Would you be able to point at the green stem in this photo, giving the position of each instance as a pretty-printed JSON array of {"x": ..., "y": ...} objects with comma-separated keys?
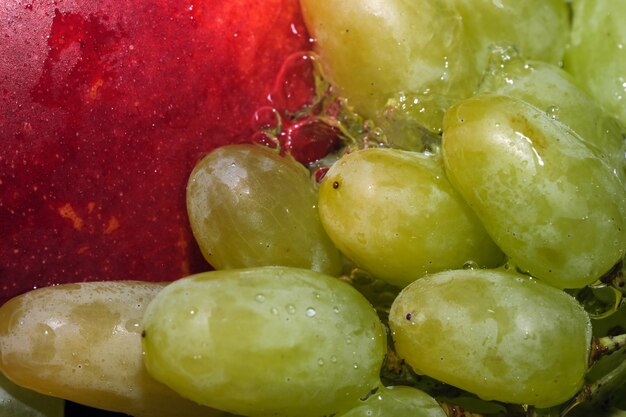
[{"x": 603, "y": 346}]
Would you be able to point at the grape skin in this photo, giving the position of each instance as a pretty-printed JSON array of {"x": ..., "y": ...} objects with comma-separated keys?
[
  {"x": 267, "y": 341},
  {"x": 248, "y": 206},
  {"x": 395, "y": 214},
  {"x": 502, "y": 336},
  {"x": 398, "y": 401},
  {"x": 554, "y": 207},
  {"x": 82, "y": 342}
]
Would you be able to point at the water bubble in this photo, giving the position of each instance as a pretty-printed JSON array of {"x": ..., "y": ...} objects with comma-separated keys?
[
  {"x": 259, "y": 298},
  {"x": 320, "y": 362},
  {"x": 553, "y": 112},
  {"x": 274, "y": 311},
  {"x": 355, "y": 365},
  {"x": 310, "y": 312},
  {"x": 348, "y": 340},
  {"x": 333, "y": 359},
  {"x": 291, "y": 309},
  {"x": 470, "y": 265},
  {"x": 336, "y": 309},
  {"x": 192, "y": 312}
]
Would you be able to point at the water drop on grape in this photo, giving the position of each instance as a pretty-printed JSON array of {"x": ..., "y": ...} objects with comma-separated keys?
[
  {"x": 259, "y": 298},
  {"x": 291, "y": 309},
  {"x": 310, "y": 312}
]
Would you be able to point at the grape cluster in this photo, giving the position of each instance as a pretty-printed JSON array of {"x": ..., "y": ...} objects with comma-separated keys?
[{"x": 461, "y": 255}]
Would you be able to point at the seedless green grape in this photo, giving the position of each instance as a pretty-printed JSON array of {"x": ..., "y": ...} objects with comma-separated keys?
[
  {"x": 553, "y": 206},
  {"x": 373, "y": 49},
  {"x": 268, "y": 341},
  {"x": 82, "y": 342},
  {"x": 549, "y": 88},
  {"x": 395, "y": 214},
  {"x": 397, "y": 401},
  {"x": 437, "y": 50},
  {"x": 597, "y": 55},
  {"x": 502, "y": 336},
  {"x": 248, "y": 206}
]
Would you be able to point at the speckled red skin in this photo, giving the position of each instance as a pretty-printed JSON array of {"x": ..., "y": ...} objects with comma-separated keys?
[{"x": 105, "y": 106}]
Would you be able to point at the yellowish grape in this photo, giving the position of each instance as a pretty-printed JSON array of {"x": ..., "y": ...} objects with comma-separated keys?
[
  {"x": 248, "y": 206},
  {"x": 267, "y": 341},
  {"x": 499, "y": 335},
  {"x": 395, "y": 214},
  {"x": 82, "y": 342},
  {"x": 436, "y": 50},
  {"x": 554, "y": 207}
]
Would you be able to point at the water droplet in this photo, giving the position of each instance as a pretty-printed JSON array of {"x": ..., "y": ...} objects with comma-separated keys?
[
  {"x": 553, "y": 112},
  {"x": 320, "y": 362},
  {"x": 310, "y": 312},
  {"x": 333, "y": 359},
  {"x": 291, "y": 309},
  {"x": 348, "y": 340},
  {"x": 133, "y": 326},
  {"x": 192, "y": 312},
  {"x": 259, "y": 298},
  {"x": 355, "y": 365},
  {"x": 470, "y": 265},
  {"x": 274, "y": 311},
  {"x": 336, "y": 309}
]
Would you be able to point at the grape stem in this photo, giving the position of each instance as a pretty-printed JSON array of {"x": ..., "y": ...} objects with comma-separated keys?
[
  {"x": 603, "y": 346},
  {"x": 602, "y": 389}
]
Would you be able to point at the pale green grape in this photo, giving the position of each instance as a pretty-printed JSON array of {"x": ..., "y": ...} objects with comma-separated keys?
[
  {"x": 395, "y": 214},
  {"x": 555, "y": 208},
  {"x": 267, "y": 341},
  {"x": 596, "y": 55},
  {"x": 373, "y": 49},
  {"x": 16, "y": 401},
  {"x": 82, "y": 342},
  {"x": 436, "y": 50},
  {"x": 397, "y": 401},
  {"x": 538, "y": 29},
  {"x": 499, "y": 335},
  {"x": 248, "y": 207},
  {"x": 551, "y": 89}
]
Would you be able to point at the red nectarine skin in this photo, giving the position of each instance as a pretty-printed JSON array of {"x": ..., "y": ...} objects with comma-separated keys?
[{"x": 105, "y": 106}]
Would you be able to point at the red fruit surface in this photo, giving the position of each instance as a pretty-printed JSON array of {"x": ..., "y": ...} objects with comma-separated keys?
[{"x": 105, "y": 106}]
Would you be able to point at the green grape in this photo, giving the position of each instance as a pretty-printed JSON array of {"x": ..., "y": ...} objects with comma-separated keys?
[
  {"x": 397, "y": 401},
  {"x": 395, "y": 214},
  {"x": 538, "y": 29},
  {"x": 373, "y": 49},
  {"x": 436, "y": 50},
  {"x": 82, "y": 342},
  {"x": 551, "y": 89},
  {"x": 596, "y": 55},
  {"x": 499, "y": 335},
  {"x": 266, "y": 341},
  {"x": 249, "y": 207},
  {"x": 555, "y": 208},
  {"x": 16, "y": 401}
]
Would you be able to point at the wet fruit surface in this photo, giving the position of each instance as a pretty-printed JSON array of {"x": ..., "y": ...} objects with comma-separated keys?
[{"x": 105, "y": 106}]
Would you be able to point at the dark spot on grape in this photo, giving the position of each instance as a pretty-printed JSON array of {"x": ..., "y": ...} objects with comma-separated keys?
[
  {"x": 408, "y": 316},
  {"x": 335, "y": 185},
  {"x": 143, "y": 333}
]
